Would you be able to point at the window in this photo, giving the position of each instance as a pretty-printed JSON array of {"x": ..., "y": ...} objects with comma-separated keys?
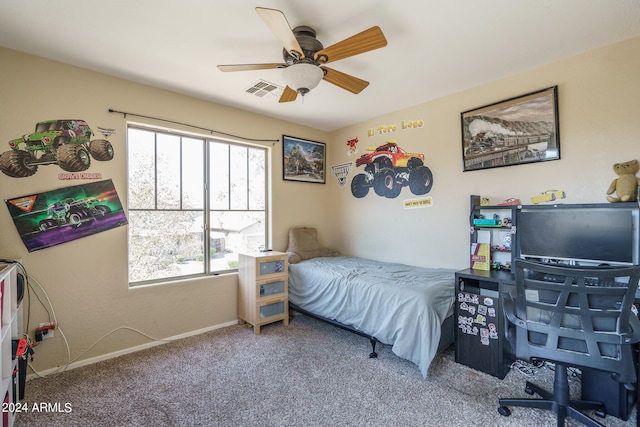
[{"x": 194, "y": 203}]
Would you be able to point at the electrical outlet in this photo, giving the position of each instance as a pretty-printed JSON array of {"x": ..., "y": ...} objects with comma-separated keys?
[{"x": 47, "y": 333}]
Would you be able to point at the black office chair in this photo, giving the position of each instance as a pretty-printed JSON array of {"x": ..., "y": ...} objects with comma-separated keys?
[{"x": 573, "y": 316}]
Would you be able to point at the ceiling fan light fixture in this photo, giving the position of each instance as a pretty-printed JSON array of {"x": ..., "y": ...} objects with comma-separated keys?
[{"x": 302, "y": 77}]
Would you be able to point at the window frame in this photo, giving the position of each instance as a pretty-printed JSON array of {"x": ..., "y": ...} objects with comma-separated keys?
[{"x": 206, "y": 208}]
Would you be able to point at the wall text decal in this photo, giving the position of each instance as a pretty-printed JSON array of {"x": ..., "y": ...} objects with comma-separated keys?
[
  {"x": 423, "y": 202},
  {"x": 405, "y": 124}
]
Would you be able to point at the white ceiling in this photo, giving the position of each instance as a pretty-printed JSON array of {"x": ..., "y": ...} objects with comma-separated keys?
[{"x": 435, "y": 47}]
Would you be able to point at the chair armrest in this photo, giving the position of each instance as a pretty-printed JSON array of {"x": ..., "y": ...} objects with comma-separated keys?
[
  {"x": 510, "y": 310},
  {"x": 633, "y": 336}
]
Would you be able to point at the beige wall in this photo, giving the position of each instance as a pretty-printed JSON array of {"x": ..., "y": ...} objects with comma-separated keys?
[
  {"x": 599, "y": 110},
  {"x": 86, "y": 279},
  {"x": 599, "y": 102}
]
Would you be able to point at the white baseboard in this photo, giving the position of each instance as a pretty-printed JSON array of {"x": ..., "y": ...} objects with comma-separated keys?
[{"x": 118, "y": 353}]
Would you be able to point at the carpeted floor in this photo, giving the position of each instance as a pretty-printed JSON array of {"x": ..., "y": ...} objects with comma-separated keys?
[{"x": 307, "y": 374}]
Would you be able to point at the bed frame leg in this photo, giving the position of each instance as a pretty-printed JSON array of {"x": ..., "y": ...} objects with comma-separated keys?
[{"x": 373, "y": 353}]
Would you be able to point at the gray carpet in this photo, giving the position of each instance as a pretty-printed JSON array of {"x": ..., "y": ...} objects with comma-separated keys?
[{"x": 307, "y": 374}]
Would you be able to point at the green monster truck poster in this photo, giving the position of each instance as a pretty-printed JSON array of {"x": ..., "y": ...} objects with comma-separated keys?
[
  {"x": 59, "y": 216},
  {"x": 66, "y": 143}
]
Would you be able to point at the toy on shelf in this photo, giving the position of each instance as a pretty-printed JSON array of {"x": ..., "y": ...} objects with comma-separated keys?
[
  {"x": 548, "y": 196},
  {"x": 494, "y": 221},
  {"x": 626, "y": 185},
  {"x": 504, "y": 267},
  {"x": 510, "y": 202},
  {"x": 487, "y": 222}
]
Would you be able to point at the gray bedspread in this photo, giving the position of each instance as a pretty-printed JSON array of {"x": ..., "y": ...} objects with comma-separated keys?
[{"x": 399, "y": 305}]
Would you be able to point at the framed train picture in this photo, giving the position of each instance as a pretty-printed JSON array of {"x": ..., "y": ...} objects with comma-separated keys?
[{"x": 515, "y": 131}]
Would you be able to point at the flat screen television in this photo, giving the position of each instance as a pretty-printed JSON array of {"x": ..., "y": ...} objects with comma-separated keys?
[{"x": 579, "y": 235}]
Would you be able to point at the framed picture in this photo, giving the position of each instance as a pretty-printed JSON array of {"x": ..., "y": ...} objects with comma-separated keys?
[
  {"x": 519, "y": 130},
  {"x": 303, "y": 160}
]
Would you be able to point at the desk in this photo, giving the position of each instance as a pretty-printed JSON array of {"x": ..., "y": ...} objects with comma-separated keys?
[
  {"x": 476, "y": 289},
  {"x": 618, "y": 401},
  {"x": 599, "y": 386},
  {"x": 481, "y": 342}
]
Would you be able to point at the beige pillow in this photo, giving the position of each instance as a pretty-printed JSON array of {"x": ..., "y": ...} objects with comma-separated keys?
[{"x": 303, "y": 244}]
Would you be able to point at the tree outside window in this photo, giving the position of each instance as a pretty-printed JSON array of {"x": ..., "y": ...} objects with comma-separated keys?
[{"x": 194, "y": 204}]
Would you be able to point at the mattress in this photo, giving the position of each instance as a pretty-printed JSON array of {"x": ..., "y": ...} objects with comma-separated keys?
[{"x": 400, "y": 305}]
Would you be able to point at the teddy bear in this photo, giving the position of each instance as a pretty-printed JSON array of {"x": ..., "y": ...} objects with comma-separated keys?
[{"x": 626, "y": 184}]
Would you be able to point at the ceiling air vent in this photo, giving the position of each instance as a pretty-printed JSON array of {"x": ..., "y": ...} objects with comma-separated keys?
[{"x": 264, "y": 89}]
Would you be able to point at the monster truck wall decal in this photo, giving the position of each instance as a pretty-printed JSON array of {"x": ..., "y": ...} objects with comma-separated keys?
[
  {"x": 388, "y": 168},
  {"x": 66, "y": 143},
  {"x": 59, "y": 216}
]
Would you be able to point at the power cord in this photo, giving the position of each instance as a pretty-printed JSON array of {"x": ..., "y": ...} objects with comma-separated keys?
[
  {"x": 524, "y": 368},
  {"x": 571, "y": 371},
  {"x": 530, "y": 369},
  {"x": 28, "y": 289},
  {"x": 64, "y": 367},
  {"x": 53, "y": 318}
]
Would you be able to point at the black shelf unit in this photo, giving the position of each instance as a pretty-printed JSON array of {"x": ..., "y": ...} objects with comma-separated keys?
[{"x": 503, "y": 240}]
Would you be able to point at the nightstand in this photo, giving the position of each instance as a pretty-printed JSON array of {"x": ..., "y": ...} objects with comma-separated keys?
[{"x": 263, "y": 288}]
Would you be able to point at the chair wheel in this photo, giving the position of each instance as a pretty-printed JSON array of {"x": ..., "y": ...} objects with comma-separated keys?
[
  {"x": 528, "y": 390},
  {"x": 373, "y": 355},
  {"x": 602, "y": 413},
  {"x": 504, "y": 411}
]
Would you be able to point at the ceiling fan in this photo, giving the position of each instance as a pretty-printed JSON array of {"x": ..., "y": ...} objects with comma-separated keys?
[{"x": 304, "y": 56}]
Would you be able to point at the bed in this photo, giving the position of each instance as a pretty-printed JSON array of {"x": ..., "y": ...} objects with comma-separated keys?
[{"x": 409, "y": 308}]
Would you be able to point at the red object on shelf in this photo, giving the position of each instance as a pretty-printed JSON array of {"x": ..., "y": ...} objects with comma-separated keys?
[
  {"x": 22, "y": 347},
  {"x": 511, "y": 202}
]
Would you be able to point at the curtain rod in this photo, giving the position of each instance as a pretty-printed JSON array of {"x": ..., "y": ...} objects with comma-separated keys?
[{"x": 111, "y": 110}]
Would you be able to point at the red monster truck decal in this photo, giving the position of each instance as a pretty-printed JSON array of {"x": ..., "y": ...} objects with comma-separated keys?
[{"x": 388, "y": 168}]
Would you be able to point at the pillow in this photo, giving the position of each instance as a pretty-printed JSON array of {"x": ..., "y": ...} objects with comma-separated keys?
[{"x": 303, "y": 244}]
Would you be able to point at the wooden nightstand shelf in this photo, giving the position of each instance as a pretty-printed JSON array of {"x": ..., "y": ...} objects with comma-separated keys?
[{"x": 263, "y": 288}]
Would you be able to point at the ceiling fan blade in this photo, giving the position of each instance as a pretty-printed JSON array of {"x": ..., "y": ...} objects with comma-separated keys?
[
  {"x": 277, "y": 23},
  {"x": 288, "y": 95},
  {"x": 344, "y": 81},
  {"x": 360, "y": 43},
  {"x": 249, "y": 67}
]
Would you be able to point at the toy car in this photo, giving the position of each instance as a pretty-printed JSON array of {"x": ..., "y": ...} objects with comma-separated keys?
[
  {"x": 510, "y": 202},
  {"x": 71, "y": 212},
  {"x": 548, "y": 196}
]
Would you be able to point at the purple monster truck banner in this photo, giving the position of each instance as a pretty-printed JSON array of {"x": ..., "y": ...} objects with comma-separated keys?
[{"x": 59, "y": 216}]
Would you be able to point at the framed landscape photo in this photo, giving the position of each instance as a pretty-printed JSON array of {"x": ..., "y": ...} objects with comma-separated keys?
[
  {"x": 515, "y": 131},
  {"x": 303, "y": 160}
]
